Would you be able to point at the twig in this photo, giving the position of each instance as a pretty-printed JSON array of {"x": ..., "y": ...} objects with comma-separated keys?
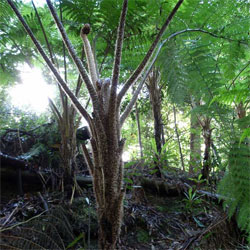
[
  {"x": 9, "y": 217},
  {"x": 73, "y": 193},
  {"x": 45, "y": 204},
  {"x": 232, "y": 83},
  {"x": 198, "y": 236},
  {"x": 211, "y": 226},
  {"x": 21, "y": 223},
  {"x": 118, "y": 52},
  {"x": 44, "y": 34}
]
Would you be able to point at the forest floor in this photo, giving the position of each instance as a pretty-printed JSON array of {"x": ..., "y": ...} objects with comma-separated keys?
[{"x": 174, "y": 219}]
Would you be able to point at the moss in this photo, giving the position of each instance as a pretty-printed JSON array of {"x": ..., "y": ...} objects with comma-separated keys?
[{"x": 142, "y": 236}]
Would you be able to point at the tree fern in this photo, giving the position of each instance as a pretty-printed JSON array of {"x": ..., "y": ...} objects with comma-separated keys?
[{"x": 235, "y": 186}]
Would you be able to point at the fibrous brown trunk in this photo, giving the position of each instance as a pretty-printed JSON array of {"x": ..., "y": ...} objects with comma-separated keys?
[
  {"x": 68, "y": 149},
  {"x": 195, "y": 143},
  {"x": 155, "y": 99},
  {"x": 107, "y": 171}
]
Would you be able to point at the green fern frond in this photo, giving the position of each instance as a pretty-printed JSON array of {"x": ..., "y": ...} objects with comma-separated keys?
[
  {"x": 174, "y": 72},
  {"x": 232, "y": 96},
  {"x": 20, "y": 242},
  {"x": 245, "y": 134},
  {"x": 51, "y": 231},
  {"x": 61, "y": 214},
  {"x": 235, "y": 186},
  {"x": 60, "y": 224}
]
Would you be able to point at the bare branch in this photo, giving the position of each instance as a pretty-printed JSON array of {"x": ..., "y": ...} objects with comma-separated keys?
[
  {"x": 78, "y": 87},
  {"x": 79, "y": 79},
  {"x": 64, "y": 50},
  {"x": 233, "y": 82},
  {"x": 113, "y": 117},
  {"x": 55, "y": 111},
  {"x": 147, "y": 57},
  {"x": 208, "y": 33},
  {"x": 215, "y": 35},
  {"x": 118, "y": 52},
  {"x": 75, "y": 58},
  {"x": 63, "y": 98},
  {"x": 61, "y": 82},
  {"x": 44, "y": 34}
]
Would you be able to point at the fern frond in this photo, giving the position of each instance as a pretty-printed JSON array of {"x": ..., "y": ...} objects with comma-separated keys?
[
  {"x": 235, "y": 186},
  {"x": 232, "y": 96},
  {"x": 2, "y": 246},
  {"x": 51, "y": 231},
  {"x": 20, "y": 242},
  {"x": 60, "y": 224},
  {"x": 245, "y": 134}
]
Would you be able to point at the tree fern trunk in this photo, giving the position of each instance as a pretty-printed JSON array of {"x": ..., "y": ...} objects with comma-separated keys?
[
  {"x": 108, "y": 187},
  {"x": 195, "y": 143},
  {"x": 155, "y": 99},
  {"x": 110, "y": 217},
  {"x": 207, "y": 135}
]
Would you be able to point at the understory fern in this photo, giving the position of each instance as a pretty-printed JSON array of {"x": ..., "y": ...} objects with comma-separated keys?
[
  {"x": 235, "y": 186},
  {"x": 50, "y": 231}
]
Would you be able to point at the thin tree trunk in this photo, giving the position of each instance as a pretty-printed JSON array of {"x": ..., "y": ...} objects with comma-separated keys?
[
  {"x": 155, "y": 99},
  {"x": 205, "y": 123},
  {"x": 195, "y": 143},
  {"x": 241, "y": 111},
  {"x": 207, "y": 135},
  {"x": 162, "y": 135},
  {"x": 178, "y": 139},
  {"x": 139, "y": 129}
]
